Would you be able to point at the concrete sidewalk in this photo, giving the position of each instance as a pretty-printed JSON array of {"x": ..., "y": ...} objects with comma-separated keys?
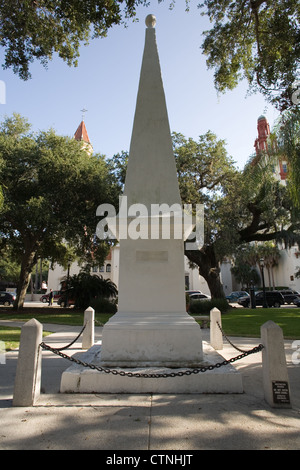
[{"x": 147, "y": 422}]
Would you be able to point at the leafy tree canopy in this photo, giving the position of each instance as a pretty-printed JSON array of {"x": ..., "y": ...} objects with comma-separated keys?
[
  {"x": 257, "y": 40},
  {"x": 36, "y": 29},
  {"x": 287, "y": 134},
  {"x": 51, "y": 191}
]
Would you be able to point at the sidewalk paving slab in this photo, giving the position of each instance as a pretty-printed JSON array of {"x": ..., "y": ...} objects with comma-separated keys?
[{"x": 123, "y": 422}]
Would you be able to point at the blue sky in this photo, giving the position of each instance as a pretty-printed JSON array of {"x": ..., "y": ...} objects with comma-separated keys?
[{"x": 106, "y": 82}]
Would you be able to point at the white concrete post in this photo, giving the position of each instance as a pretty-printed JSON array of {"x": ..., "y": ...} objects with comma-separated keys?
[
  {"x": 216, "y": 337},
  {"x": 29, "y": 367},
  {"x": 275, "y": 375},
  {"x": 88, "y": 335}
]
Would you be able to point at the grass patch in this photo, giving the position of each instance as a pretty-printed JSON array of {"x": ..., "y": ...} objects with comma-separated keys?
[
  {"x": 54, "y": 315},
  {"x": 11, "y": 337},
  {"x": 235, "y": 322},
  {"x": 58, "y": 316},
  {"x": 247, "y": 322}
]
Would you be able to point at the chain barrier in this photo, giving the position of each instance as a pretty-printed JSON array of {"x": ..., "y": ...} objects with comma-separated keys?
[
  {"x": 230, "y": 342},
  {"x": 64, "y": 347},
  {"x": 123, "y": 373}
]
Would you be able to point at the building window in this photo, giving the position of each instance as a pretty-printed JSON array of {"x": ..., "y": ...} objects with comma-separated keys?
[
  {"x": 101, "y": 269},
  {"x": 284, "y": 167},
  {"x": 94, "y": 269},
  {"x": 108, "y": 268}
]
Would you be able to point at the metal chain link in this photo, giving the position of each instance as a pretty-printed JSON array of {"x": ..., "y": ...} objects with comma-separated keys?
[
  {"x": 230, "y": 342},
  {"x": 144, "y": 375},
  {"x": 68, "y": 345}
]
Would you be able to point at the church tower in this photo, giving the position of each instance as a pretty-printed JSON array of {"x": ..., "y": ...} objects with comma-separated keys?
[
  {"x": 263, "y": 128},
  {"x": 262, "y": 143},
  {"x": 81, "y": 135}
]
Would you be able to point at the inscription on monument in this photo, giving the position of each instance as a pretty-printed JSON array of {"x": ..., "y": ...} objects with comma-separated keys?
[
  {"x": 158, "y": 256},
  {"x": 281, "y": 392}
]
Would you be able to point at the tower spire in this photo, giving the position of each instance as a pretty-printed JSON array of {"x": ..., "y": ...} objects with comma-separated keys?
[{"x": 81, "y": 134}]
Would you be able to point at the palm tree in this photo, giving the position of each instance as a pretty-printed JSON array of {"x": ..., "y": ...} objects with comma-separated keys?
[
  {"x": 287, "y": 131},
  {"x": 85, "y": 287},
  {"x": 271, "y": 254}
]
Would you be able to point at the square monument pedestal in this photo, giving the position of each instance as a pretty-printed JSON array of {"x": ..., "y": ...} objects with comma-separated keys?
[
  {"x": 151, "y": 339},
  {"x": 80, "y": 379},
  {"x": 139, "y": 345}
]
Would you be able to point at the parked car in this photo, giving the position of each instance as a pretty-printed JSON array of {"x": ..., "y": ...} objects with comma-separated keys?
[
  {"x": 199, "y": 297},
  {"x": 189, "y": 292},
  {"x": 6, "y": 298},
  {"x": 45, "y": 297},
  {"x": 273, "y": 298},
  {"x": 290, "y": 295},
  {"x": 234, "y": 296},
  {"x": 62, "y": 300},
  {"x": 297, "y": 302}
]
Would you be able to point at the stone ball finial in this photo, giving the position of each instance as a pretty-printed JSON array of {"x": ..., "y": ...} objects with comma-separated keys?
[{"x": 150, "y": 21}]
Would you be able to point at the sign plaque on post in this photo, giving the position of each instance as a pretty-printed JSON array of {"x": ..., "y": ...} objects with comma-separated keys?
[{"x": 281, "y": 392}]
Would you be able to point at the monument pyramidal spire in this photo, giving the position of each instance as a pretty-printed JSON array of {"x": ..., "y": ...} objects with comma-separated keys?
[{"x": 151, "y": 151}]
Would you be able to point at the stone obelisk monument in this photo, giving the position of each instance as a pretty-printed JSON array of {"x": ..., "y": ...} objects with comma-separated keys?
[
  {"x": 151, "y": 326},
  {"x": 151, "y": 332}
]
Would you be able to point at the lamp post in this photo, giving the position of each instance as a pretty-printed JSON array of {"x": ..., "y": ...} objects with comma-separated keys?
[
  {"x": 262, "y": 265},
  {"x": 252, "y": 295},
  {"x": 67, "y": 286}
]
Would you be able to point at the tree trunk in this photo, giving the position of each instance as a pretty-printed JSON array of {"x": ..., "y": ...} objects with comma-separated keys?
[
  {"x": 28, "y": 261},
  {"x": 208, "y": 266}
]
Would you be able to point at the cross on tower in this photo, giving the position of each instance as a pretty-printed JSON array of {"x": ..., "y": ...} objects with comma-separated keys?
[{"x": 83, "y": 112}]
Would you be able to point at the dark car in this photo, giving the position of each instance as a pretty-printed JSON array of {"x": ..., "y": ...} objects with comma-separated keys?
[
  {"x": 290, "y": 295},
  {"x": 297, "y": 302},
  {"x": 234, "y": 296},
  {"x": 273, "y": 298},
  {"x": 45, "y": 297},
  {"x": 6, "y": 298}
]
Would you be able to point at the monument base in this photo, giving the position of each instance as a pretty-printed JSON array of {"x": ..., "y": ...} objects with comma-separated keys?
[
  {"x": 80, "y": 379},
  {"x": 151, "y": 339}
]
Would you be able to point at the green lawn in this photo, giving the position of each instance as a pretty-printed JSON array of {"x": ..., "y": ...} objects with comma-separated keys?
[
  {"x": 236, "y": 322},
  {"x": 11, "y": 335},
  {"x": 247, "y": 322}
]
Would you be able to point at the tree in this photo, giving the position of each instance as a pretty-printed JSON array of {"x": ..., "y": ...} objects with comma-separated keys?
[
  {"x": 245, "y": 274},
  {"x": 256, "y": 40},
  {"x": 51, "y": 190},
  {"x": 240, "y": 206},
  {"x": 204, "y": 171},
  {"x": 85, "y": 287},
  {"x": 287, "y": 135},
  {"x": 244, "y": 206},
  {"x": 36, "y": 29},
  {"x": 9, "y": 267},
  {"x": 270, "y": 253},
  {"x": 247, "y": 259}
]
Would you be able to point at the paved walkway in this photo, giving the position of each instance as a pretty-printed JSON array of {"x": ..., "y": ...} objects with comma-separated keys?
[{"x": 184, "y": 423}]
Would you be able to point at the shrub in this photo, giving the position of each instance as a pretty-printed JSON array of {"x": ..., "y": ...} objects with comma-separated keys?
[
  {"x": 103, "y": 306},
  {"x": 205, "y": 306}
]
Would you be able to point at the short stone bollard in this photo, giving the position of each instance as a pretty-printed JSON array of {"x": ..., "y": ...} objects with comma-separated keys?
[
  {"x": 88, "y": 335},
  {"x": 275, "y": 375},
  {"x": 216, "y": 337},
  {"x": 27, "y": 386}
]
